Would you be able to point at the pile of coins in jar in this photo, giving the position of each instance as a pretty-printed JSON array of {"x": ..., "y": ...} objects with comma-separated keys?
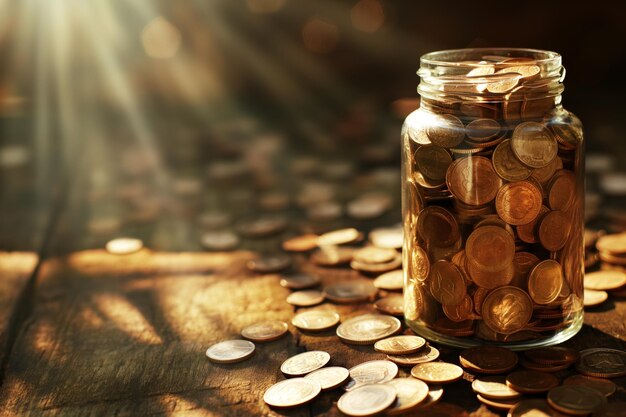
[{"x": 493, "y": 212}]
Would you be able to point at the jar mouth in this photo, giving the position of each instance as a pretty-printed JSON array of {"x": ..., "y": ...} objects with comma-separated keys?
[{"x": 464, "y": 57}]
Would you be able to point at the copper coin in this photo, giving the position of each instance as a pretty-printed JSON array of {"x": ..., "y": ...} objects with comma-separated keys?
[
  {"x": 528, "y": 232},
  {"x": 426, "y": 354},
  {"x": 545, "y": 281},
  {"x": 350, "y": 291},
  {"x": 269, "y": 263},
  {"x": 433, "y": 162},
  {"x": 393, "y": 304},
  {"x": 220, "y": 240},
  {"x": 437, "y": 226},
  {"x": 524, "y": 263},
  {"x": 602, "y": 363},
  {"x": 371, "y": 372},
  {"x": 554, "y": 230},
  {"x": 372, "y": 268},
  {"x": 473, "y": 180},
  {"x": 531, "y": 382},
  {"x": 304, "y": 363},
  {"x": 315, "y": 320},
  {"x": 265, "y": 331},
  {"x": 552, "y": 355},
  {"x": 461, "y": 311},
  {"x": 338, "y": 237},
  {"x": 230, "y": 351},
  {"x": 367, "y": 400},
  {"x": 481, "y": 130},
  {"x": 576, "y": 400},
  {"x": 419, "y": 265},
  {"x": 400, "y": 345},
  {"x": 525, "y": 71},
  {"x": 445, "y": 130},
  {"x": 374, "y": 255},
  {"x": 437, "y": 372},
  {"x": 518, "y": 202},
  {"x": 488, "y": 279},
  {"x": 410, "y": 393},
  {"x": 303, "y": 243},
  {"x": 561, "y": 190},
  {"x": 507, "y": 309},
  {"x": 367, "y": 329},
  {"x": 603, "y": 386},
  {"x": 545, "y": 174},
  {"x": 291, "y": 392},
  {"x": 446, "y": 283},
  {"x": 299, "y": 281},
  {"x": 262, "y": 227},
  {"x": 390, "y": 281},
  {"x": 506, "y": 164},
  {"x": 613, "y": 244},
  {"x": 498, "y": 404},
  {"x": 542, "y": 367},
  {"x": 454, "y": 328},
  {"x": 533, "y": 408},
  {"x": 488, "y": 359},
  {"x": 305, "y": 298},
  {"x": 387, "y": 237},
  {"x": 604, "y": 280},
  {"x": 494, "y": 387},
  {"x": 330, "y": 377},
  {"x": 490, "y": 248},
  {"x": 332, "y": 256},
  {"x": 534, "y": 144},
  {"x": 593, "y": 298}
]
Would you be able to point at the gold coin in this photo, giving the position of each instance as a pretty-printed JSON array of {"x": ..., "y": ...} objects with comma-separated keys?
[
  {"x": 400, "y": 345},
  {"x": 481, "y": 71},
  {"x": 390, "y": 281},
  {"x": 433, "y": 162},
  {"x": 330, "y": 377},
  {"x": 393, "y": 304},
  {"x": 305, "y": 298},
  {"x": 494, "y": 387},
  {"x": 304, "y": 363},
  {"x": 523, "y": 263},
  {"x": 437, "y": 372},
  {"x": 124, "y": 246},
  {"x": 507, "y": 309},
  {"x": 473, "y": 180},
  {"x": 490, "y": 248},
  {"x": 265, "y": 331},
  {"x": 374, "y": 255},
  {"x": 532, "y": 408},
  {"x": 568, "y": 131},
  {"x": 490, "y": 280},
  {"x": 603, "y": 386},
  {"x": 481, "y": 130},
  {"x": 592, "y": 298},
  {"x": 506, "y": 164},
  {"x": 446, "y": 283},
  {"x": 602, "y": 363},
  {"x": 561, "y": 190},
  {"x": 613, "y": 244},
  {"x": 219, "y": 240},
  {"x": 426, "y": 354},
  {"x": 445, "y": 130},
  {"x": 371, "y": 372},
  {"x": 518, "y": 202},
  {"x": 350, "y": 292},
  {"x": 367, "y": 329},
  {"x": 419, "y": 265},
  {"x": 372, "y": 268},
  {"x": 488, "y": 359},
  {"x": 604, "y": 280},
  {"x": 367, "y": 400},
  {"x": 461, "y": 311},
  {"x": 230, "y": 351},
  {"x": 552, "y": 355},
  {"x": 332, "y": 256},
  {"x": 438, "y": 227},
  {"x": 545, "y": 281},
  {"x": 269, "y": 263},
  {"x": 303, "y": 243},
  {"x": 498, "y": 404},
  {"x": 554, "y": 230},
  {"x": 315, "y": 320},
  {"x": 531, "y": 382},
  {"x": 338, "y": 237},
  {"x": 299, "y": 281},
  {"x": 576, "y": 400},
  {"x": 533, "y": 144},
  {"x": 291, "y": 392},
  {"x": 410, "y": 393},
  {"x": 528, "y": 232}
]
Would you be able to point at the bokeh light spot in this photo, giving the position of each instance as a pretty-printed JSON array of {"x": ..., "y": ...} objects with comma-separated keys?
[
  {"x": 319, "y": 35},
  {"x": 367, "y": 15},
  {"x": 160, "y": 39}
]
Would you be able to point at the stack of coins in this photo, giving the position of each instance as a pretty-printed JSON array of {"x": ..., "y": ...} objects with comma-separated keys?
[{"x": 493, "y": 209}]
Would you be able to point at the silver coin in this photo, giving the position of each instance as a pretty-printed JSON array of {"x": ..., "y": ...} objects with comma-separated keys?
[
  {"x": 368, "y": 328},
  {"x": 315, "y": 320},
  {"x": 304, "y": 363},
  {"x": 292, "y": 392},
  {"x": 367, "y": 400},
  {"x": 230, "y": 351},
  {"x": 371, "y": 372},
  {"x": 330, "y": 377}
]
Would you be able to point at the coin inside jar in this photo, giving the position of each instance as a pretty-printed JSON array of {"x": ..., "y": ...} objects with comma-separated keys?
[
  {"x": 367, "y": 400},
  {"x": 400, "y": 345},
  {"x": 315, "y": 320},
  {"x": 291, "y": 392},
  {"x": 419, "y": 265},
  {"x": 488, "y": 359},
  {"x": 473, "y": 180},
  {"x": 545, "y": 281},
  {"x": 533, "y": 144},
  {"x": 230, "y": 351},
  {"x": 330, "y": 377},
  {"x": 304, "y": 363},
  {"x": 437, "y": 372},
  {"x": 265, "y": 331},
  {"x": 561, "y": 190},
  {"x": 507, "y": 309},
  {"x": 490, "y": 248},
  {"x": 481, "y": 130},
  {"x": 368, "y": 328},
  {"x": 518, "y": 202},
  {"x": 390, "y": 281}
]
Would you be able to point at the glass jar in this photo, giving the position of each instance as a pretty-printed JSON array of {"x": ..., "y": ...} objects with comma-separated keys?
[{"x": 492, "y": 201}]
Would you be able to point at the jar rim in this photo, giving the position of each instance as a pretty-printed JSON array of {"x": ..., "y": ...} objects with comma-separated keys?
[{"x": 462, "y": 55}]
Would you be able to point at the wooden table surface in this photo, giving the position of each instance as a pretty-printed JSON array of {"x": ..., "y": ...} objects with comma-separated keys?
[{"x": 87, "y": 333}]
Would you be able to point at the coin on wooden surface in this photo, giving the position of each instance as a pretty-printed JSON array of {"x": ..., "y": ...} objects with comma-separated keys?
[
  {"x": 534, "y": 144},
  {"x": 367, "y": 329},
  {"x": 426, "y": 354},
  {"x": 543, "y": 367},
  {"x": 490, "y": 248},
  {"x": 437, "y": 226},
  {"x": 392, "y": 304},
  {"x": 261, "y": 227},
  {"x": 374, "y": 255},
  {"x": 269, "y": 263},
  {"x": 473, "y": 180},
  {"x": 612, "y": 409},
  {"x": 454, "y": 328},
  {"x": 518, "y": 202},
  {"x": 371, "y": 268},
  {"x": 545, "y": 281},
  {"x": 124, "y": 246},
  {"x": 387, "y": 237},
  {"x": 592, "y": 298},
  {"x": 305, "y": 298},
  {"x": 604, "y": 280},
  {"x": 561, "y": 190},
  {"x": 603, "y": 386},
  {"x": 367, "y": 400},
  {"x": 400, "y": 345},
  {"x": 291, "y": 392},
  {"x": 533, "y": 408},
  {"x": 410, "y": 393},
  {"x": 506, "y": 164},
  {"x": 614, "y": 244},
  {"x": 419, "y": 265},
  {"x": 602, "y": 363},
  {"x": 552, "y": 355},
  {"x": 371, "y": 372},
  {"x": 265, "y": 331},
  {"x": 554, "y": 230},
  {"x": 302, "y": 243},
  {"x": 437, "y": 372},
  {"x": 576, "y": 399},
  {"x": 494, "y": 387},
  {"x": 299, "y": 281},
  {"x": 338, "y": 237},
  {"x": 446, "y": 283},
  {"x": 315, "y": 320},
  {"x": 230, "y": 351},
  {"x": 445, "y": 130},
  {"x": 507, "y": 309},
  {"x": 350, "y": 291},
  {"x": 304, "y": 363},
  {"x": 390, "y": 281},
  {"x": 332, "y": 256},
  {"x": 531, "y": 382},
  {"x": 488, "y": 359},
  {"x": 220, "y": 240},
  {"x": 330, "y": 377}
]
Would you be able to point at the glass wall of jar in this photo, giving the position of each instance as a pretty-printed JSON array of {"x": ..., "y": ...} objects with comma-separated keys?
[{"x": 492, "y": 189}]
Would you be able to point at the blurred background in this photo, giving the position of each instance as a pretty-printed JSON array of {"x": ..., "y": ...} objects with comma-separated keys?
[{"x": 128, "y": 117}]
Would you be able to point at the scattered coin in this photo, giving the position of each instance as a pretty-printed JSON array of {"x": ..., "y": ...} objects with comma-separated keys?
[
  {"x": 446, "y": 130},
  {"x": 390, "y": 281},
  {"x": 552, "y": 355},
  {"x": 338, "y": 237},
  {"x": 220, "y": 240},
  {"x": 262, "y": 227},
  {"x": 603, "y": 386},
  {"x": 554, "y": 230},
  {"x": 593, "y": 298},
  {"x": 374, "y": 255},
  {"x": 315, "y": 320},
  {"x": 330, "y": 377},
  {"x": 367, "y": 329},
  {"x": 124, "y": 246},
  {"x": 613, "y": 244},
  {"x": 371, "y": 268},
  {"x": 484, "y": 183},
  {"x": 292, "y": 392},
  {"x": 447, "y": 284},
  {"x": 400, "y": 345},
  {"x": 604, "y": 280},
  {"x": 332, "y": 256},
  {"x": 367, "y": 400},
  {"x": 532, "y": 408},
  {"x": 393, "y": 304},
  {"x": 410, "y": 393},
  {"x": 426, "y": 354},
  {"x": 531, "y": 382},
  {"x": 576, "y": 399},
  {"x": 602, "y": 363},
  {"x": 614, "y": 409},
  {"x": 304, "y": 363},
  {"x": 230, "y": 351},
  {"x": 437, "y": 372},
  {"x": 494, "y": 387},
  {"x": 350, "y": 292},
  {"x": 498, "y": 404},
  {"x": 371, "y": 372},
  {"x": 561, "y": 190},
  {"x": 269, "y": 263},
  {"x": 303, "y": 243},
  {"x": 265, "y": 331},
  {"x": 488, "y": 359},
  {"x": 387, "y": 237},
  {"x": 533, "y": 144},
  {"x": 299, "y": 281},
  {"x": 506, "y": 164},
  {"x": 305, "y": 298}
]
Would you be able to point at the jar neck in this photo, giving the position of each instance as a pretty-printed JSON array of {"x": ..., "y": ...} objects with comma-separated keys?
[{"x": 490, "y": 75}]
